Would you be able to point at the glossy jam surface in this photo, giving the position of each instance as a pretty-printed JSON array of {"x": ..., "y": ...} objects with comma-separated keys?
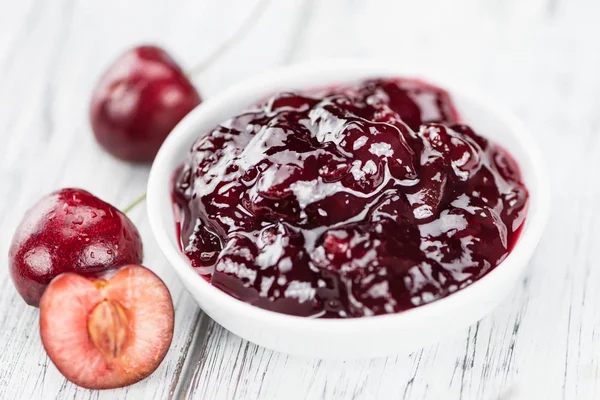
[{"x": 352, "y": 201}]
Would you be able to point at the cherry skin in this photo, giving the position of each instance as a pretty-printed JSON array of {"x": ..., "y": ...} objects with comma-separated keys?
[
  {"x": 70, "y": 230},
  {"x": 138, "y": 101}
]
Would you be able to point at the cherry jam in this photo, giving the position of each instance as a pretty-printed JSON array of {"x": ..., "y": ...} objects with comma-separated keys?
[{"x": 352, "y": 201}]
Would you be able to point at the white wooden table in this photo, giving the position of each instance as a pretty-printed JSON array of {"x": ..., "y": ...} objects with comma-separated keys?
[{"x": 539, "y": 57}]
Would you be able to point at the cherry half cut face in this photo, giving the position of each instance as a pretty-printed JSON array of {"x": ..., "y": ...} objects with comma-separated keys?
[
  {"x": 138, "y": 101},
  {"x": 70, "y": 230},
  {"x": 104, "y": 333},
  {"x": 352, "y": 201}
]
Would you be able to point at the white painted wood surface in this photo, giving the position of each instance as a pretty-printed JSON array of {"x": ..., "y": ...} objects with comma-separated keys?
[{"x": 539, "y": 57}]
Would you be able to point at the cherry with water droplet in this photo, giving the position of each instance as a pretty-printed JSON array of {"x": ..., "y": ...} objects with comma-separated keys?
[{"x": 70, "y": 230}]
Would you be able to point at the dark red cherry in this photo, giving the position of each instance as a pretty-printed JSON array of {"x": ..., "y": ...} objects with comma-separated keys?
[
  {"x": 70, "y": 230},
  {"x": 138, "y": 101}
]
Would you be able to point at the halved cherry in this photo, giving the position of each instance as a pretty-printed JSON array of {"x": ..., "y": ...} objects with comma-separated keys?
[{"x": 104, "y": 334}]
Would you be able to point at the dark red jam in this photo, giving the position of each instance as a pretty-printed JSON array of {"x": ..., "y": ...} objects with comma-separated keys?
[{"x": 353, "y": 201}]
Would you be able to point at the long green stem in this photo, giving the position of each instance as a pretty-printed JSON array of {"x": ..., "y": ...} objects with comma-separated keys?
[{"x": 134, "y": 204}]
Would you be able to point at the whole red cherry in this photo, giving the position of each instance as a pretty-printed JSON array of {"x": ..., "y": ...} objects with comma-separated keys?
[
  {"x": 70, "y": 230},
  {"x": 138, "y": 101}
]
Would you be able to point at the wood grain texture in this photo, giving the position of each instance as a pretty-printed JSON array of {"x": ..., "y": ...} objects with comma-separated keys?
[{"x": 541, "y": 58}]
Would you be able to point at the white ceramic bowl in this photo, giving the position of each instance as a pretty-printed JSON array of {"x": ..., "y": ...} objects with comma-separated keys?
[{"x": 359, "y": 337}]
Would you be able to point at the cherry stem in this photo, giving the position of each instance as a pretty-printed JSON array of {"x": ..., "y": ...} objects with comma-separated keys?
[
  {"x": 244, "y": 28},
  {"x": 134, "y": 204}
]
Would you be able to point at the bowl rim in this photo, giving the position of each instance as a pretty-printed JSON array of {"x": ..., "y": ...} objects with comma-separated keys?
[{"x": 259, "y": 85}]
